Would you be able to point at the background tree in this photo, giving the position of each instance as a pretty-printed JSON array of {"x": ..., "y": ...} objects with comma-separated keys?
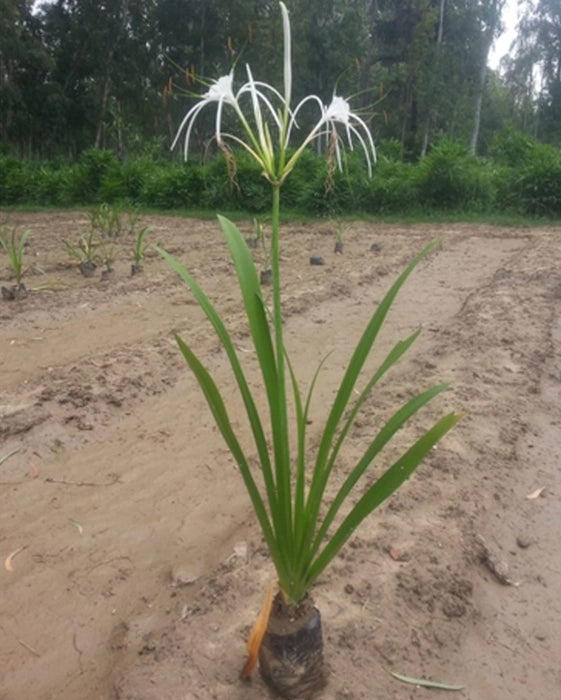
[
  {"x": 490, "y": 16},
  {"x": 120, "y": 74},
  {"x": 535, "y": 72}
]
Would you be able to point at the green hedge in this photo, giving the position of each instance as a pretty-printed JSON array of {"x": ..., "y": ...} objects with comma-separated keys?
[{"x": 519, "y": 176}]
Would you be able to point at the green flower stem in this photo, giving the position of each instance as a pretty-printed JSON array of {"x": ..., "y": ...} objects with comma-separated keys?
[{"x": 280, "y": 430}]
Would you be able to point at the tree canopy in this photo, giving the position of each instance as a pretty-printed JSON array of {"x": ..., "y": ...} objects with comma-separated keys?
[{"x": 119, "y": 74}]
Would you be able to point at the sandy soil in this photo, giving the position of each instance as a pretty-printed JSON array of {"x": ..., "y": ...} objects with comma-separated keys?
[{"x": 139, "y": 567}]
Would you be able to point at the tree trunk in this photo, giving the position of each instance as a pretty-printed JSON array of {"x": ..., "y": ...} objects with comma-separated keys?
[
  {"x": 477, "y": 108},
  {"x": 99, "y": 140},
  {"x": 429, "y": 116},
  {"x": 494, "y": 19}
]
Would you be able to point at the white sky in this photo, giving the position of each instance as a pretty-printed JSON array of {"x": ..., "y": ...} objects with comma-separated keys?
[{"x": 502, "y": 44}]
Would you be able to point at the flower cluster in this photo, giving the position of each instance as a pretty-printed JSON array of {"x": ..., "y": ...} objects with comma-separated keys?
[{"x": 259, "y": 142}]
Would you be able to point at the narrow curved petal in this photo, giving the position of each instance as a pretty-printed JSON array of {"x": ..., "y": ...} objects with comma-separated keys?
[
  {"x": 293, "y": 123},
  {"x": 252, "y": 85},
  {"x": 193, "y": 111},
  {"x": 364, "y": 147},
  {"x": 218, "y": 119},
  {"x": 366, "y": 130}
]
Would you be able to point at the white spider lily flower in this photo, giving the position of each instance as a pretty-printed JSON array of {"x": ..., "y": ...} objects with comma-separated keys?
[
  {"x": 339, "y": 112},
  {"x": 220, "y": 91}
]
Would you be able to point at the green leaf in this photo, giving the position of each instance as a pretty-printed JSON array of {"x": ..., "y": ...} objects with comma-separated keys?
[
  {"x": 260, "y": 333},
  {"x": 251, "y": 410},
  {"x": 322, "y": 467},
  {"x": 301, "y": 422},
  {"x": 380, "y": 490},
  {"x": 394, "y": 424},
  {"x": 220, "y": 414}
]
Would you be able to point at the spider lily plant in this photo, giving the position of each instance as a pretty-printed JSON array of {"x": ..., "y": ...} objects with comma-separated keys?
[
  {"x": 14, "y": 250},
  {"x": 288, "y": 493}
]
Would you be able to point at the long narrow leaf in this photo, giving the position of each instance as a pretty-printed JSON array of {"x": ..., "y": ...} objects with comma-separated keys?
[
  {"x": 220, "y": 414},
  {"x": 226, "y": 341},
  {"x": 260, "y": 332},
  {"x": 21, "y": 245},
  {"x": 348, "y": 383},
  {"x": 380, "y": 490},
  {"x": 424, "y": 683},
  {"x": 300, "y": 449},
  {"x": 301, "y": 422},
  {"x": 396, "y": 422},
  {"x": 357, "y": 361},
  {"x": 316, "y": 496}
]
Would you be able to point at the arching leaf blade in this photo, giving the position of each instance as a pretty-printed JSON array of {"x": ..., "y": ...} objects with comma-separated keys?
[{"x": 380, "y": 490}]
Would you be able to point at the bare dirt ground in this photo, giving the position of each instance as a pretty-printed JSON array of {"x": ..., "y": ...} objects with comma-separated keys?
[{"x": 138, "y": 566}]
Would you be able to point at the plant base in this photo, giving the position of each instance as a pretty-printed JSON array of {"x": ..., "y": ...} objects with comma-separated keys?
[
  {"x": 16, "y": 291},
  {"x": 135, "y": 269},
  {"x": 338, "y": 246},
  {"x": 291, "y": 653},
  {"x": 266, "y": 277},
  {"x": 87, "y": 268}
]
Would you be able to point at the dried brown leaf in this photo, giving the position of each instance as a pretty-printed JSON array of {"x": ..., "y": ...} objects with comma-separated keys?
[
  {"x": 257, "y": 632},
  {"x": 8, "y": 561},
  {"x": 535, "y": 494}
]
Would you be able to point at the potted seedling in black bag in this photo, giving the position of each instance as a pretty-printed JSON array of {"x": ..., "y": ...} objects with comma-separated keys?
[
  {"x": 85, "y": 252},
  {"x": 14, "y": 250},
  {"x": 107, "y": 256}
]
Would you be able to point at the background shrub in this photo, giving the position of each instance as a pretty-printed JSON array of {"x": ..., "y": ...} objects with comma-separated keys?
[
  {"x": 92, "y": 168},
  {"x": 394, "y": 188},
  {"x": 169, "y": 186},
  {"x": 520, "y": 176},
  {"x": 537, "y": 187},
  {"x": 449, "y": 178}
]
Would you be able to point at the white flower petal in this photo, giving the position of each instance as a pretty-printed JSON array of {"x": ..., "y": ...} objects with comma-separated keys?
[
  {"x": 221, "y": 90},
  {"x": 293, "y": 123},
  {"x": 339, "y": 112}
]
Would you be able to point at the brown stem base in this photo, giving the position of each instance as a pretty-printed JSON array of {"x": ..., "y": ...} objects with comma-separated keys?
[{"x": 291, "y": 654}]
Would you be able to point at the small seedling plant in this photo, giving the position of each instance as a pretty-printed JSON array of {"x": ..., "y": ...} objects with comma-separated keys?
[
  {"x": 139, "y": 249},
  {"x": 132, "y": 220},
  {"x": 108, "y": 256},
  {"x": 303, "y": 533},
  {"x": 85, "y": 250},
  {"x": 340, "y": 231},
  {"x": 261, "y": 241},
  {"x": 15, "y": 249},
  {"x": 106, "y": 221}
]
